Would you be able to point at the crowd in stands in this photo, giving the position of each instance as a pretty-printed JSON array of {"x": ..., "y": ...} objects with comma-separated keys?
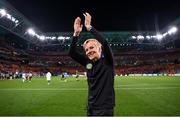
[{"x": 14, "y": 62}]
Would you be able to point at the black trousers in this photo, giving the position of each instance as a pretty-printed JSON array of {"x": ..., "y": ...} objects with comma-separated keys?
[{"x": 100, "y": 112}]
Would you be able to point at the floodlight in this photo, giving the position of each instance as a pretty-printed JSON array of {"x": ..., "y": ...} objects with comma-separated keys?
[
  {"x": 165, "y": 34},
  {"x": 153, "y": 36},
  {"x": 67, "y": 37},
  {"x": 31, "y": 31},
  {"x": 9, "y": 16},
  {"x": 61, "y": 37},
  {"x": 172, "y": 30},
  {"x": 159, "y": 36},
  {"x": 140, "y": 37},
  {"x": 53, "y": 38},
  {"x": 134, "y": 37},
  {"x": 42, "y": 37},
  {"x": 148, "y": 37},
  {"x": 2, "y": 12},
  {"x": 47, "y": 37},
  {"x": 13, "y": 19},
  {"x": 17, "y": 21}
]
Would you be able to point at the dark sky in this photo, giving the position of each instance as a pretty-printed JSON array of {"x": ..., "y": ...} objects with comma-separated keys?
[{"x": 109, "y": 15}]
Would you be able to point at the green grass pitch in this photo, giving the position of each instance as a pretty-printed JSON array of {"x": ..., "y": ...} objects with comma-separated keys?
[{"x": 135, "y": 96}]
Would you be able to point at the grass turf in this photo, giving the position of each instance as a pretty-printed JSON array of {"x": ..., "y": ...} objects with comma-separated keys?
[{"x": 135, "y": 96}]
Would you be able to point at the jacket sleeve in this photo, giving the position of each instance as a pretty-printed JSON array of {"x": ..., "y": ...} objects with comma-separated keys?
[
  {"x": 106, "y": 50},
  {"x": 78, "y": 57}
]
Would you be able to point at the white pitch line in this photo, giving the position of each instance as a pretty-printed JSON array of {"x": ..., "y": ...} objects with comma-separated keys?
[
  {"x": 84, "y": 89},
  {"x": 62, "y": 89},
  {"x": 148, "y": 88},
  {"x": 150, "y": 85}
]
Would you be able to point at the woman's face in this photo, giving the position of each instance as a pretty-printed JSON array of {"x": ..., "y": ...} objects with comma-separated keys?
[{"x": 92, "y": 50}]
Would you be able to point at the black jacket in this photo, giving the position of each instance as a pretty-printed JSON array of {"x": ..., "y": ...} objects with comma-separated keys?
[{"x": 100, "y": 76}]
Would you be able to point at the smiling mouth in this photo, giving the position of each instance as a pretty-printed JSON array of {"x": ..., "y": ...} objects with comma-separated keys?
[{"x": 91, "y": 53}]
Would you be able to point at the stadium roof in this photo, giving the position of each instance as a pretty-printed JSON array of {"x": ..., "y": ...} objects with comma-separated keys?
[
  {"x": 47, "y": 23},
  {"x": 114, "y": 15}
]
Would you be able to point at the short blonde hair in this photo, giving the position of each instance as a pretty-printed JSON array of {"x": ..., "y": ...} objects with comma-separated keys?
[{"x": 98, "y": 44}]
